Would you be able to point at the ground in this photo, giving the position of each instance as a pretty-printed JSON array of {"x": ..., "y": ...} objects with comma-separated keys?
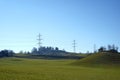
[{"x": 41, "y": 69}]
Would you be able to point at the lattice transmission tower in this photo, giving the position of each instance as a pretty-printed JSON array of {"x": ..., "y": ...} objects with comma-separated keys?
[
  {"x": 39, "y": 41},
  {"x": 74, "y": 46}
]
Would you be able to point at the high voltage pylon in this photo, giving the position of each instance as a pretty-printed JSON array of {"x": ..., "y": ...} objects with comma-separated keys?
[
  {"x": 74, "y": 46},
  {"x": 39, "y": 40},
  {"x": 94, "y": 48}
]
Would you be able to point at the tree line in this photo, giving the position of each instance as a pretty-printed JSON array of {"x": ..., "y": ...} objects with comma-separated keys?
[
  {"x": 109, "y": 48},
  {"x": 51, "y": 51},
  {"x": 6, "y": 53},
  {"x": 47, "y": 51}
]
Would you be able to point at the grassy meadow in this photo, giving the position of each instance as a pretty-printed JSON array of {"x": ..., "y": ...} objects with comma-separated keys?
[{"x": 41, "y": 69}]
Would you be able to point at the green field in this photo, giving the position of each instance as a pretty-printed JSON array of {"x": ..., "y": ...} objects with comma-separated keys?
[
  {"x": 41, "y": 69},
  {"x": 108, "y": 60}
]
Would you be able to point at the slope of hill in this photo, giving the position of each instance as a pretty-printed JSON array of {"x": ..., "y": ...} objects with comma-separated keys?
[
  {"x": 12, "y": 68},
  {"x": 100, "y": 59}
]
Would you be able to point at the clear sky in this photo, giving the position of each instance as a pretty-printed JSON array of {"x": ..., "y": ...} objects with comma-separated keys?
[{"x": 59, "y": 22}]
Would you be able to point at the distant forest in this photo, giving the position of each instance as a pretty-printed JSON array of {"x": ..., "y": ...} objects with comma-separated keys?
[
  {"x": 51, "y": 51},
  {"x": 48, "y": 51},
  {"x": 6, "y": 53}
]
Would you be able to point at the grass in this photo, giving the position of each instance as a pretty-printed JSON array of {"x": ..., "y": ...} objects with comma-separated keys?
[
  {"x": 100, "y": 60},
  {"x": 41, "y": 69}
]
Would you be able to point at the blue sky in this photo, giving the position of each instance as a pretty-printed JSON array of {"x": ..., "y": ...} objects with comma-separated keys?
[{"x": 59, "y": 22}]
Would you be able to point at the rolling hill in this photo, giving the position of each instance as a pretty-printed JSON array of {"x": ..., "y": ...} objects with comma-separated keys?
[{"x": 100, "y": 59}]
